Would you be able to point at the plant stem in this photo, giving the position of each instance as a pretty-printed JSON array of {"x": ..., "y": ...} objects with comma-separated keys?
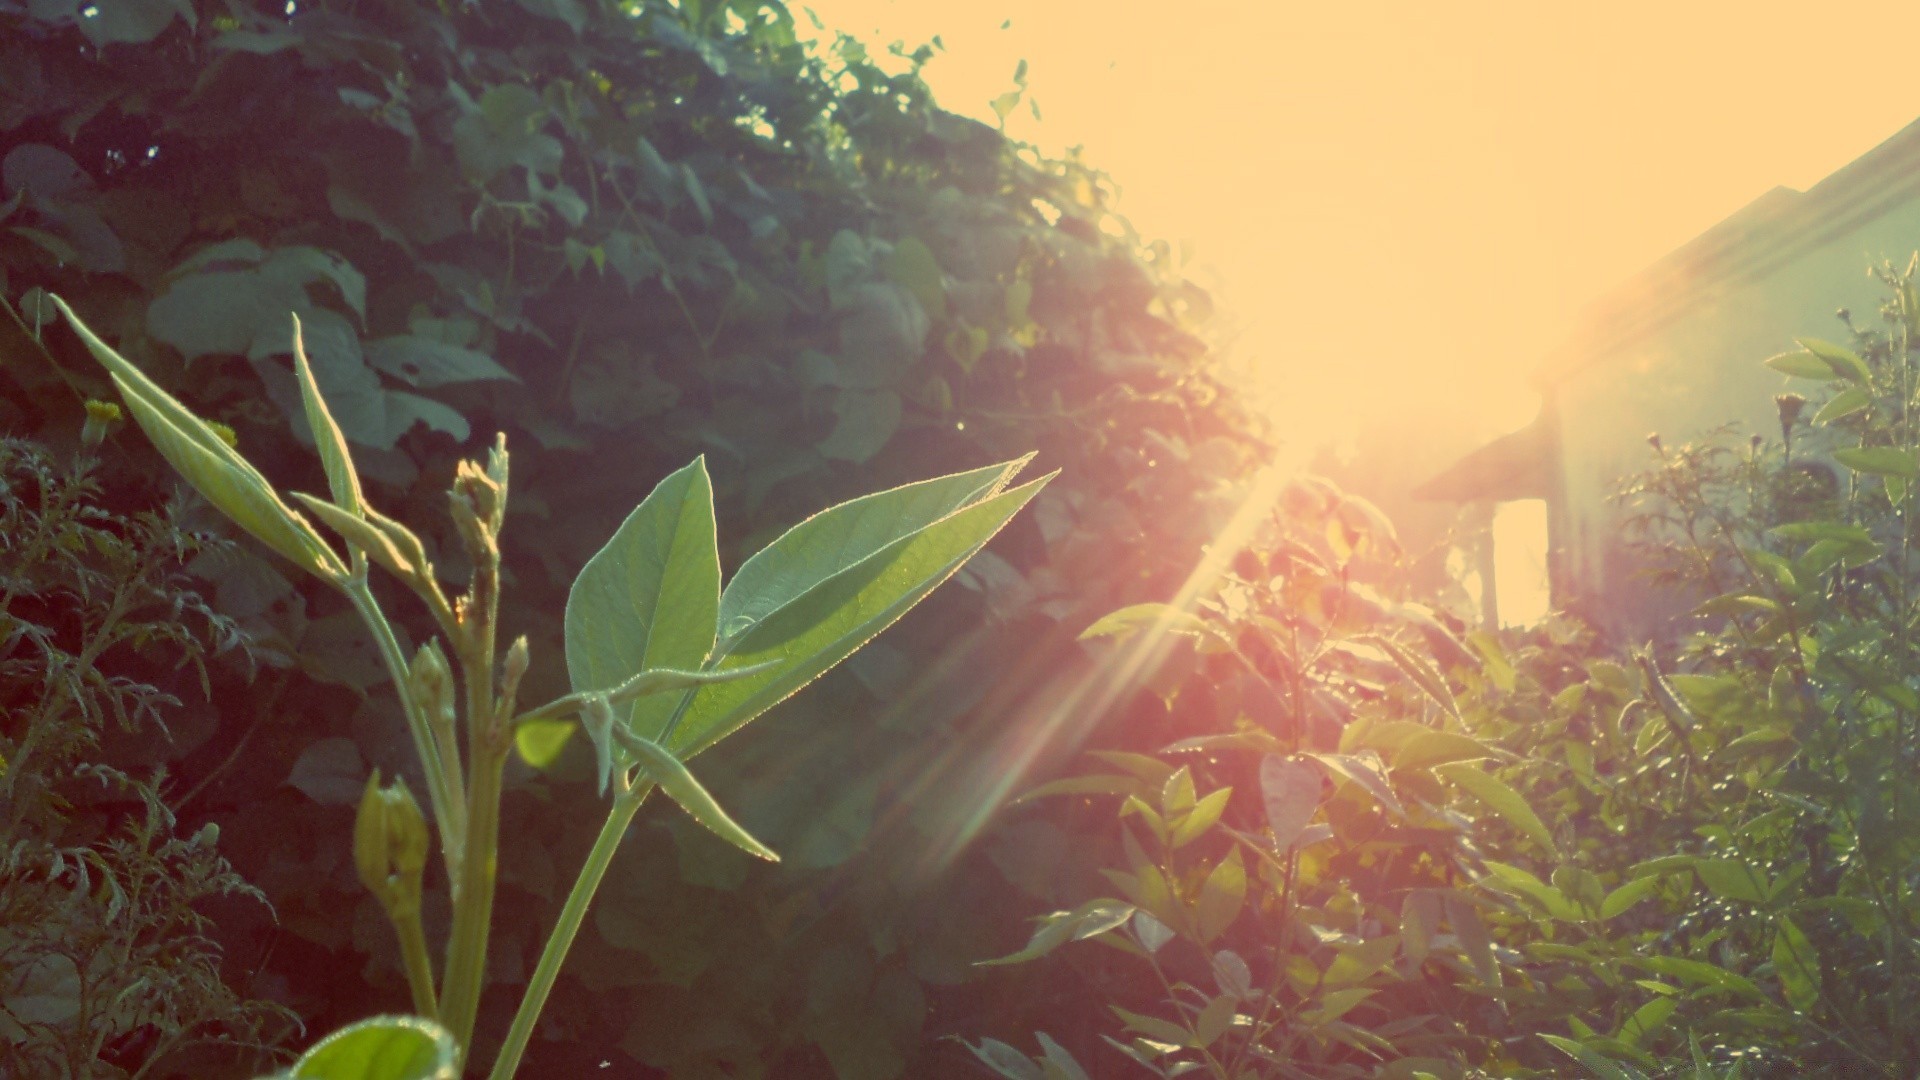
[
  {"x": 625, "y": 805},
  {"x": 473, "y": 907},
  {"x": 445, "y": 804},
  {"x": 489, "y": 739},
  {"x": 413, "y": 957}
]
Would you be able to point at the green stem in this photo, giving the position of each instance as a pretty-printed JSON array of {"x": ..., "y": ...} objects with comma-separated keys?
[
  {"x": 564, "y": 931},
  {"x": 445, "y": 803},
  {"x": 413, "y": 956},
  {"x": 473, "y": 907}
]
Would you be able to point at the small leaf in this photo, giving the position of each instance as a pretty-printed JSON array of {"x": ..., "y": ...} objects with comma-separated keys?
[
  {"x": 1626, "y": 896},
  {"x": 330, "y": 772},
  {"x": 1802, "y": 364},
  {"x": 1004, "y": 1060},
  {"x": 1843, "y": 361},
  {"x": 1222, "y": 895},
  {"x": 1231, "y": 974},
  {"x": 1215, "y": 1020},
  {"x": 540, "y": 741},
  {"x": 1418, "y": 670},
  {"x": 1879, "y": 461},
  {"x": 1732, "y": 878},
  {"x": 1363, "y": 770},
  {"x": 381, "y": 1048},
  {"x": 1291, "y": 792},
  {"x": 1472, "y": 935},
  {"x": 1602, "y": 1067},
  {"x": 335, "y": 459},
  {"x": 1058, "y": 1056},
  {"x": 1797, "y": 965},
  {"x": 1151, "y": 931},
  {"x": 1195, "y": 823},
  {"x": 1501, "y": 799},
  {"x": 674, "y": 778},
  {"x": 1844, "y": 404},
  {"x": 1160, "y": 618}
]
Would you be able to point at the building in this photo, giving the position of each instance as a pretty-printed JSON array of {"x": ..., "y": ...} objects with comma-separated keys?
[{"x": 1677, "y": 351}]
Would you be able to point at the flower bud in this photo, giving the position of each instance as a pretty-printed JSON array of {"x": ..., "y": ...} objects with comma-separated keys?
[
  {"x": 1789, "y": 406},
  {"x": 390, "y": 843},
  {"x": 102, "y": 418},
  {"x": 430, "y": 679}
]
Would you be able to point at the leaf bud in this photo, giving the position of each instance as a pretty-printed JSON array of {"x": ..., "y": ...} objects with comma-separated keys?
[{"x": 430, "y": 680}]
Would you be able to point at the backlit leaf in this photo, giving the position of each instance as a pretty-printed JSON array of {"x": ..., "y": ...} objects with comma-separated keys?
[
  {"x": 1494, "y": 793},
  {"x": 649, "y": 598},
  {"x": 381, "y": 1048},
  {"x": 833, "y": 582}
]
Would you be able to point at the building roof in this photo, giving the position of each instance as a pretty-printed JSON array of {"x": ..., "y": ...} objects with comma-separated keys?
[
  {"x": 1756, "y": 240},
  {"x": 1517, "y": 465},
  {"x": 1759, "y": 238}
]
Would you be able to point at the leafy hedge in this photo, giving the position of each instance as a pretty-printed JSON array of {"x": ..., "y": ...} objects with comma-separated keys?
[{"x": 624, "y": 234}]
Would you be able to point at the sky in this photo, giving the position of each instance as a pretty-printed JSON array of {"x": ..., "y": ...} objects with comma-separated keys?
[{"x": 1406, "y": 206}]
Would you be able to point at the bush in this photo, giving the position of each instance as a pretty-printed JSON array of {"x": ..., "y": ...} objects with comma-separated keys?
[{"x": 110, "y": 968}]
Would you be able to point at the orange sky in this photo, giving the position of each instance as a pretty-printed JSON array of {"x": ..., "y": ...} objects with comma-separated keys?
[{"x": 1409, "y": 203}]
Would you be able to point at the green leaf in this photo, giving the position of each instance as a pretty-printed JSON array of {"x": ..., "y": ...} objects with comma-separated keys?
[
  {"x": 1797, "y": 965},
  {"x": 1803, "y": 364},
  {"x": 427, "y": 362},
  {"x": 1472, "y": 935},
  {"x": 1602, "y": 1067},
  {"x": 213, "y": 468},
  {"x": 1335, "y": 1005},
  {"x": 1732, "y": 879},
  {"x": 863, "y": 422},
  {"x": 1621, "y": 899},
  {"x": 1419, "y": 671},
  {"x": 1878, "y": 460},
  {"x": 1823, "y": 530},
  {"x": 1004, "y": 1060},
  {"x": 1059, "y": 1058},
  {"x": 650, "y": 598},
  {"x": 540, "y": 741},
  {"x": 1214, "y": 1020},
  {"x": 1290, "y": 791},
  {"x": 1222, "y": 895},
  {"x": 1090, "y": 919},
  {"x": 1843, "y": 361},
  {"x": 342, "y": 480},
  {"x": 1363, "y": 770},
  {"x": 914, "y": 267},
  {"x": 381, "y": 1048},
  {"x": 1129, "y": 620},
  {"x": 1844, "y": 404},
  {"x": 834, "y": 581},
  {"x": 1200, "y": 818},
  {"x": 678, "y": 782},
  {"x": 1429, "y": 748},
  {"x": 1494, "y": 793}
]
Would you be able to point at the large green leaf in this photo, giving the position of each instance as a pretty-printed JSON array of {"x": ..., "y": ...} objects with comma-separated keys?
[
  {"x": 835, "y": 539},
  {"x": 649, "y": 598},
  {"x": 381, "y": 1048},
  {"x": 1494, "y": 793},
  {"x": 827, "y": 601}
]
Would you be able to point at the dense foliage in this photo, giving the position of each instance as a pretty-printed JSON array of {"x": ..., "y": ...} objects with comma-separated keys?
[
  {"x": 1692, "y": 857},
  {"x": 624, "y": 234},
  {"x": 107, "y": 962}
]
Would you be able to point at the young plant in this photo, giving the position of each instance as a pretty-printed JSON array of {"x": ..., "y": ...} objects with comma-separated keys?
[{"x": 664, "y": 663}]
